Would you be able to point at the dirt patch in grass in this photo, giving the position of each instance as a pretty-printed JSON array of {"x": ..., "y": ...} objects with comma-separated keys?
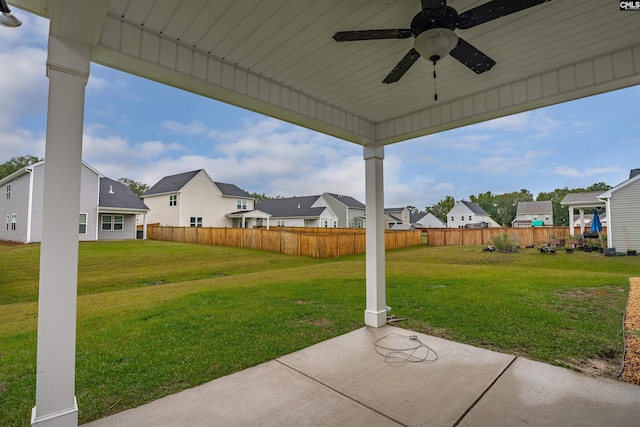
[{"x": 631, "y": 371}]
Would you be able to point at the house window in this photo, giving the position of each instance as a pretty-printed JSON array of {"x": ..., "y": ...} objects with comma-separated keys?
[
  {"x": 14, "y": 219},
  {"x": 280, "y": 223},
  {"x": 351, "y": 224},
  {"x": 8, "y": 191},
  {"x": 196, "y": 221},
  {"x": 546, "y": 217},
  {"x": 452, "y": 219},
  {"x": 8, "y": 221},
  {"x": 469, "y": 217},
  {"x": 173, "y": 200},
  {"x": 335, "y": 223},
  {"x": 359, "y": 224},
  {"x": 82, "y": 224},
  {"x": 112, "y": 223},
  {"x": 326, "y": 224},
  {"x": 462, "y": 218},
  {"x": 242, "y": 204}
]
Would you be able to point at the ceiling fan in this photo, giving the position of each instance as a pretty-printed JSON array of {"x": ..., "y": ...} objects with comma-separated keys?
[{"x": 433, "y": 29}]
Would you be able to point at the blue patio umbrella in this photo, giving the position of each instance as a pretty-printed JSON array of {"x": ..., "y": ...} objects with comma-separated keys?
[{"x": 596, "y": 225}]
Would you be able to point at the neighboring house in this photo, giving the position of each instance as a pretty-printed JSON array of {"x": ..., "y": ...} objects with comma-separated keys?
[
  {"x": 350, "y": 212},
  {"x": 306, "y": 211},
  {"x": 403, "y": 216},
  {"x": 426, "y": 220},
  {"x": 577, "y": 222},
  {"x": 623, "y": 213},
  {"x": 193, "y": 199},
  {"x": 466, "y": 214},
  {"x": 393, "y": 216},
  {"x": 108, "y": 208},
  {"x": 533, "y": 214}
]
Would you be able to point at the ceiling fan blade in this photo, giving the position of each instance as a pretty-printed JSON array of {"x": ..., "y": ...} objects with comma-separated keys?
[
  {"x": 493, "y": 10},
  {"x": 349, "y": 36},
  {"x": 471, "y": 57},
  {"x": 405, "y": 63}
]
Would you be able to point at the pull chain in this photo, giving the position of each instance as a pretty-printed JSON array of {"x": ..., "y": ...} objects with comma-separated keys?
[{"x": 435, "y": 84}]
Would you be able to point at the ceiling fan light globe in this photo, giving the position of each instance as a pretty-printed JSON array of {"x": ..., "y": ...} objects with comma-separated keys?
[
  {"x": 436, "y": 42},
  {"x": 8, "y": 20}
]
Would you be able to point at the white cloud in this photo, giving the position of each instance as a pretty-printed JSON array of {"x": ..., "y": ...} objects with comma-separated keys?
[
  {"x": 186, "y": 129},
  {"x": 586, "y": 172}
]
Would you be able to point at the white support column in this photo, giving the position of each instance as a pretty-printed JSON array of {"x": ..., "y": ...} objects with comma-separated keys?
[
  {"x": 68, "y": 71},
  {"x": 572, "y": 230},
  {"x": 581, "y": 221},
  {"x": 376, "y": 310}
]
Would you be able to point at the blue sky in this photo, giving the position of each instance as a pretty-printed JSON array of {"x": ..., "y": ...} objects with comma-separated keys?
[{"x": 143, "y": 130}]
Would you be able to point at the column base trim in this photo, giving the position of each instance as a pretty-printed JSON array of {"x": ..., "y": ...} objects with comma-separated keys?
[
  {"x": 375, "y": 319},
  {"x": 64, "y": 418}
]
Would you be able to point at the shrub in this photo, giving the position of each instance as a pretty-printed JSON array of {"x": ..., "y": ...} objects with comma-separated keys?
[{"x": 505, "y": 243}]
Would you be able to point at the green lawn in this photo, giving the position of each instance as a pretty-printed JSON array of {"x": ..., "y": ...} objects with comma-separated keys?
[{"x": 157, "y": 317}]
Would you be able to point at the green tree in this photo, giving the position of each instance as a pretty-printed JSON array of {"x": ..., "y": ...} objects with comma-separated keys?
[
  {"x": 261, "y": 196},
  {"x": 561, "y": 213},
  {"x": 137, "y": 187},
  {"x": 502, "y": 207},
  {"x": 442, "y": 208},
  {"x": 16, "y": 163}
]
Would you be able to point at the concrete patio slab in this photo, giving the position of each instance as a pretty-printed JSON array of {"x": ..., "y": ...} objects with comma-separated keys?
[
  {"x": 534, "y": 394},
  {"x": 265, "y": 395},
  {"x": 394, "y": 377},
  {"x": 422, "y": 393}
]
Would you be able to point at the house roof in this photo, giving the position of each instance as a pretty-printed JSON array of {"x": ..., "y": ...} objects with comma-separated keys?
[
  {"x": 347, "y": 200},
  {"x": 231, "y": 190},
  {"x": 291, "y": 207},
  {"x": 474, "y": 207},
  {"x": 171, "y": 183},
  {"x": 542, "y": 207},
  {"x": 587, "y": 199},
  {"x": 114, "y": 194}
]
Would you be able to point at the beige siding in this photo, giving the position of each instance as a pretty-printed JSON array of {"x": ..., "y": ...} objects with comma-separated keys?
[{"x": 160, "y": 212}]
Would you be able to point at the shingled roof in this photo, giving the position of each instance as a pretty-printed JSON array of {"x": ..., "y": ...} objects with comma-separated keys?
[
  {"x": 114, "y": 194},
  {"x": 542, "y": 207},
  {"x": 171, "y": 183},
  {"x": 347, "y": 200},
  {"x": 290, "y": 207},
  {"x": 232, "y": 190},
  {"x": 474, "y": 207}
]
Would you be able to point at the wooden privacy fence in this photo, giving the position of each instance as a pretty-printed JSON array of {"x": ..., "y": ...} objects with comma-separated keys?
[
  {"x": 312, "y": 242},
  {"x": 482, "y": 236}
]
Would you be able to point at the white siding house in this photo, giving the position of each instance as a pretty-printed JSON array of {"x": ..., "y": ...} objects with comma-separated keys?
[
  {"x": 108, "y": 208},
  {"x": 193, "y": 199},
  {"x": 468, "y": 214},
  {"x": 623, "y": 214}
]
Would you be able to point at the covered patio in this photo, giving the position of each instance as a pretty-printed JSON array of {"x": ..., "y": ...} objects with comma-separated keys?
[{"x": 278, "y": 58}]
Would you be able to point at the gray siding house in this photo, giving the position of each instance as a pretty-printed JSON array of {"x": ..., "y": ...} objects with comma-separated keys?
[
  {"x": 623, "y": 213},
  {"x": 108, "y": 208},
  {"x": 528, "y": 212},
  {"x": 350, "y": 212}
]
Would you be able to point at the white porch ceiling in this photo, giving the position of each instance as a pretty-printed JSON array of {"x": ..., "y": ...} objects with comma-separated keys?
[{"x": 277, "y": 57}]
